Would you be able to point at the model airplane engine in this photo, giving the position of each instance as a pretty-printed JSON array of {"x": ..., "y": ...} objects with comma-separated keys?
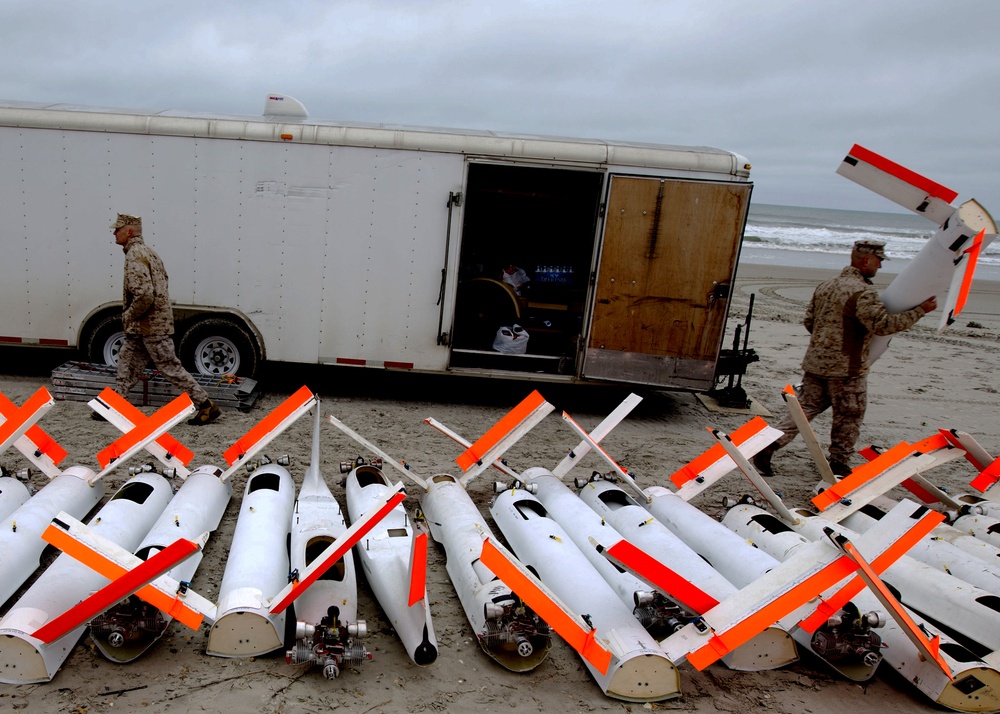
[
  {"x": 332, "y": 644},
  {"x": 510, "y": 625},
  {"x": 849, "y": 635},
  {"x": 130, "y": 621},
  {"x": 659, "y": 615},
  {"x": 508, "y": 630}
]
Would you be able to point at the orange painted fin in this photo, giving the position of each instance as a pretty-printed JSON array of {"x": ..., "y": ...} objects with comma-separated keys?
[
  {"x": 171, "y": 446},
  {"x": 917, "y": 485},
  {"x": 112, "y": 561},
  {"x": 659, "y": 575},
  {"x": 128, "y": 582},
  {"x": 335, "y": 551},
  {"x": 268, "y": 428},
  {"x": 931, "y": 188},
  {"x": 465, "y": 443},
  {"x": 45, "y": 444},
  {"x": 418, "y": 568},
  {"x": 546, "y": 605},
  {"x": 36, "y": 445},
  {"x": 975, "y": 454},
  {"x": 987, "y": 477},
  {"x": 17, "y": 420},
  {"x": 505, "y": 432},
  {"x": 924, "y": 197},
  {"x": 695, "y": 467},
  {"x": 861, "y": 476},
  {"x": 162, "y": 419},
  {"x": 970, "y": 269}
]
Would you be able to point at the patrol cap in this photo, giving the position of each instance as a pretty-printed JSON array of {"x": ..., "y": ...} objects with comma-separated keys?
[
  {"x": 870, "y": 247},
  {"x": 125, "y": 219}
]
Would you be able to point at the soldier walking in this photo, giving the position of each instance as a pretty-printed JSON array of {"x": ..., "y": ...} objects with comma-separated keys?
[
  {"x": 148, "y": 321},
  {"x": 843, "y": 315}
]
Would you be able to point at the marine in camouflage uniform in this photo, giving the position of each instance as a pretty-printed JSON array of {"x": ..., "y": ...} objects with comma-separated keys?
[
  {"x": 148, "y": 321},
  {"x": 844, "y": 314}
]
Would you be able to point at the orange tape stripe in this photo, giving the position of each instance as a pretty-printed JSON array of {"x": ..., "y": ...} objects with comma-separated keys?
[
  {"x": 502, "y": 428},
  {"x": 19, "y": 415},
  {"x": 684, "y": 592},
  {"x": 123, "y": 583},
  {"x": 757, "y": 622},
  {"x": 970, "y": 269},
  {"x": 903, "y": 174},
  {"x": 121, "y": 405},
  {"x": 870, "y": 453},
  {"x": 171, "y": 605},
  {"x": 919, "y": 491},
  {"x": 343, "y": 545},
  {"x": 862, "y": 475},
  {"x": 10, "y": 410},
  {"x": 989, "y": 476},
  {"x": 881, "y": 563},
  {"x": 954, "y": 441},
  {"x": 140, "y": 432},
  {"x": 46, "y": 444},
  {"x": 42, "y": 441},
  {"x": 932, "y": 443},
  {"x": 266, "y": 425},
  {"x": 716, "y": 452},
  {"x": 933, "y": 646},
  {"x": 418, "y": 569},
  {"x": 576, "y": 637}
]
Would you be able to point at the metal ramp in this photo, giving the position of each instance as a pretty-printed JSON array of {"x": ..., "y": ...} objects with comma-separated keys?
[{"x": 82, "y": 381}]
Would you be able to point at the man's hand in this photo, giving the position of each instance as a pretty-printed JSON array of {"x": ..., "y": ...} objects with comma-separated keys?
[{"x": 930, "y": 304}]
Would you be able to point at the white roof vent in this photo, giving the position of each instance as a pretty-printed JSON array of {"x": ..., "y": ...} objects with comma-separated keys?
[{"x": 280, "y": 105}]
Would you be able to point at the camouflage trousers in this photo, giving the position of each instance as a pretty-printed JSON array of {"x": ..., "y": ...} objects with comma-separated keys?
[
  {"x": 136, "y": 353},
  {"x": 848, "y": 396}
]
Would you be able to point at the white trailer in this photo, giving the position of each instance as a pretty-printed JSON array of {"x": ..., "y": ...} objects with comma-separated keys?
[{"x": 293, "y": 239}]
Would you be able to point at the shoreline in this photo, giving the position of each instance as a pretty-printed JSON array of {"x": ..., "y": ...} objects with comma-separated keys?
[{"x": 754, "y": 255}]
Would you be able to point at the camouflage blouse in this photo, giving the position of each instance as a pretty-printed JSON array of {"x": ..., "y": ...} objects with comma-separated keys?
[
  {"x": 843, "y": 315},
  {"x": 145, "y": 301}
]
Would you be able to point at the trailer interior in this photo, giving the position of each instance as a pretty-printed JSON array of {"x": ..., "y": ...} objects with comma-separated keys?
[{"x": 544, "y": 222}]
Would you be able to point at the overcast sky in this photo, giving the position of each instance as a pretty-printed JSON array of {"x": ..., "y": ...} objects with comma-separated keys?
[{"x": 789, "y": 85}]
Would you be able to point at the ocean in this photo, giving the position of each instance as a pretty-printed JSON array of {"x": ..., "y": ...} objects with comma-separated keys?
[{"x": 822, "y": 238}]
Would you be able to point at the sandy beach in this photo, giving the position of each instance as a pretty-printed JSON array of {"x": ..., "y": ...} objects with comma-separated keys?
[{"x": 927, "y": 380}]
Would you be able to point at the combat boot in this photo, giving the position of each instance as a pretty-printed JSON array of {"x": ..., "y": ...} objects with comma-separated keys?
[
  {"x": 206, "y": 414},
  {"x": 839, "y": 468},
  {"x": 762, "y": 460}
]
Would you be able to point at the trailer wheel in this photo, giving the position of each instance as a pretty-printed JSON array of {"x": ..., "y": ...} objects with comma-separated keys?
[
  {"x": 216, "y": 346},
  {"x": 105, "y": 341}
]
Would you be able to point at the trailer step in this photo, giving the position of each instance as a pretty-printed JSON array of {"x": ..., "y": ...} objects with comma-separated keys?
[{"x": 82, "y": 381}]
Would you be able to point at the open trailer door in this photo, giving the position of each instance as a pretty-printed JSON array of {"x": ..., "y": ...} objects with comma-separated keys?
[{"x": 661, "y": 295}]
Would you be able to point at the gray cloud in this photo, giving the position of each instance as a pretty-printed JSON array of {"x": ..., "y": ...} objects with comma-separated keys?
[{"x": 790, "y": 85}]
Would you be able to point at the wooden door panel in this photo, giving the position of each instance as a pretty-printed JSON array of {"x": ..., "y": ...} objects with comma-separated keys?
[{"x": 666, "y": 244}]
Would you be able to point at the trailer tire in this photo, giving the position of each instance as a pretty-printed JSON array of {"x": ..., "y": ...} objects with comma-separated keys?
[
  {"x": 105, "y": 341},
  {"x": 215, "y": 346}
]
